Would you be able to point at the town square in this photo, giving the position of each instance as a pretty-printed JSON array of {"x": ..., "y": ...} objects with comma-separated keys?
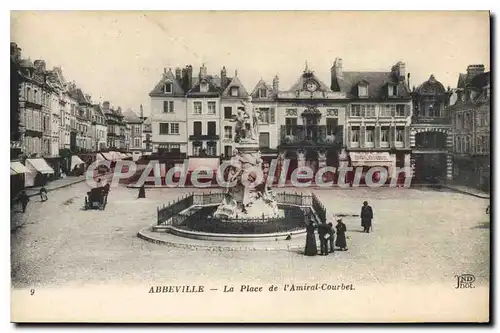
[{"x": 182, "y": 171}]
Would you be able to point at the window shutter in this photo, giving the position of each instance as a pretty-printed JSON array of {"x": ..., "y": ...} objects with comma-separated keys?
[
  {"x": 377, "y": 136},
  {"x": 339, "y": 135},
  {"x": 392, "y": 132},
  {"x": 393, "y": 111},
  {"x": 165, "y": 106},
  {"x": 171, "y": 106},
  {"x": 272, "y": 116},
  {"x": 407, "y": 136},
  {"x": 349, "y": 136},
  {"x": 362, "y": 135}
]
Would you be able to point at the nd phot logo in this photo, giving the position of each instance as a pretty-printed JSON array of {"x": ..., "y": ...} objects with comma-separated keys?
[{"x": 465, "y": 281}]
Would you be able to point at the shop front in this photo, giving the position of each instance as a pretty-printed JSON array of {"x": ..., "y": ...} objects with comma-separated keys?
[
  {"x": 38, "y": 172},
  {"x": 385, "y": 162},
  {"x": 17, "y": 172}
]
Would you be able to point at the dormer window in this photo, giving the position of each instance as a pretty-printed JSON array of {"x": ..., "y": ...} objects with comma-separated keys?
[
  {"x": 234, "y": 91},
  {"x": 167, "y": 88},
  {"x": 392, "y": 90},
  {"x": 363, "y": 89},
  {"x": 204, "y": 87},
  {"x": 262, "y": 93}
]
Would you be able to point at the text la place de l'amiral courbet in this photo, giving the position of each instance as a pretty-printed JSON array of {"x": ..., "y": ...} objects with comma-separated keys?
[{"x": 252, "y": 289}]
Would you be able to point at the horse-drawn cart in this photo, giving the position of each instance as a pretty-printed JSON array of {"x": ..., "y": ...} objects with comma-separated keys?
[{"x": 97, "y": 198}]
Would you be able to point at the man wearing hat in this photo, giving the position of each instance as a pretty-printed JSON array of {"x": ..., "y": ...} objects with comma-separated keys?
[{"x": 366, "y": 217}]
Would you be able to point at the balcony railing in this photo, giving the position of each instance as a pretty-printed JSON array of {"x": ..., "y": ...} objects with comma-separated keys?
[
  {"x": 311, "y": 135},
  {"x": 200, "y": 137}
]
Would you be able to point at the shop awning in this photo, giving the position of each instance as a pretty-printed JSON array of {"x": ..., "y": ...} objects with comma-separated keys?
[
  {"x": 207, "y": 163},
  {"x": 40, "y": 165},
  {"x": 75, "y": 161},
  {"x": 17, "y": 167}
]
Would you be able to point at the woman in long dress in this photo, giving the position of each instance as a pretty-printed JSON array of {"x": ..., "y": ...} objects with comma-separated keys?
[
  {"x": 341, "y": 242},
  {"x": 311, "y": 248}
]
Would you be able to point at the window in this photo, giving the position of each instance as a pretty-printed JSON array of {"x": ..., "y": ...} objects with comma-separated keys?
[
  {"x": 228, "y": 132},
  {"x": 235, "y": 91},
  {"x": 168, "y": 106},
  {"x": 262, "y": 93},
  {"x": 35, "y": 96},
  {"x": 290, "y": 126},
  {"x": 211, "y": 107},
  {"x": 384, "y": 134},
  {"x": 163, "y": 128},
  {"x": 211, "y": 148},
  {"x": 211, "y": 128},
  {"x": 388, "y": 110},
  {"x": 167, "y": 88},
  {"x": 197, "y": 107},
  {"x": 174, "y": 128},
  {"x": 204, "y": 87},
  {"x": 356, "y": 110},
  {"x": 137, "y": 142},
  {"x": 355, "y": 134},
  {"x": 228, "y": 151},
  {"x": 362, "y": 90},
  {"x": 28, "y": 94},
  {"x": 331, "y": 126},
  {"x": 228, "y": 112},
  {"x": 137, "y": 130},
  {"x": 400, "y": 110},
  {"x": 369, "y": 110},
  {"x": 196, "y": 148},
  {"x": 197, "y": 128},
  {"x": 400, "y": 134},
  {"x": 392, "y": 90},
  {"x": 264, "y": 115},
  {"x": 370, "y": 134}
]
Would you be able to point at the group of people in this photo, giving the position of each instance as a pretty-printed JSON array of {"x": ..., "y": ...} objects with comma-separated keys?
[
  {"x": 327, "y": 233},
  {"x": 23, "y": 198}
]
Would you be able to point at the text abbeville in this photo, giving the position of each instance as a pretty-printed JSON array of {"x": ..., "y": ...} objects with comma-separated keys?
[
  {"x": 317, "y": 286},
  {"x": 176, "y": 289}
]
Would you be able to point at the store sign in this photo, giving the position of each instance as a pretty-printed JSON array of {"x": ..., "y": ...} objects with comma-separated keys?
[{"x": 370, "y": 156}]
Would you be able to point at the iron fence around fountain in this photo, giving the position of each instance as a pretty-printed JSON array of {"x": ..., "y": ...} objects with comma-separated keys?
[{"x": 172, "y": 213}]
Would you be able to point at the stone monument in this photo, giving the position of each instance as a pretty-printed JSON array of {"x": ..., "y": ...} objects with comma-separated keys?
[{"x": 250, "y": 197}]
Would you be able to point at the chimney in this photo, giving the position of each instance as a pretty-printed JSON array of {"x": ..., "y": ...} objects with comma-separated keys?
[
  {"x": 105, "y": 105},
  {"x": 164, "y": 71},
  {"x": 189, "y": 74},
  {"x": 473, "y": 70},
  {"x": 399, "y": 71},
  {"x": 142, "y": 110},
  {"x": 178, "y": 74},
  {"x": 276, "y": 84},
  {"x": 408, "y": 75},
  {"x": 15, "y": 51},
  {"x": 337, "y": 68},
  {"x": 203, "y": 72},
  {"x": 223, "y": 78}
]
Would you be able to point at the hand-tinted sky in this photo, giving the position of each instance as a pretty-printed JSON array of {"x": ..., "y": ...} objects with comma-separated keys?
[{"x": 120, "y": 56}]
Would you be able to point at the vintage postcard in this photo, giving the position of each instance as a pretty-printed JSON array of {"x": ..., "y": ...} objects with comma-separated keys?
[{"x": 232, "y": 166}]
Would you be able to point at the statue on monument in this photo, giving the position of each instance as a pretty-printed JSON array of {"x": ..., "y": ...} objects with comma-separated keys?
[{"x": 247, "y": 123}]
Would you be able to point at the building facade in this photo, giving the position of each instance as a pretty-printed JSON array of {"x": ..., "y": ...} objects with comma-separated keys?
[
  {"x": 136, "y": 135},
  {"x": 378, "y": 110},
  {"x": 169, "y": 131},
  {"x": 472, "y": 129},
  {"x": 431, "y": 136},
  {"x": 311, "y": 118}
]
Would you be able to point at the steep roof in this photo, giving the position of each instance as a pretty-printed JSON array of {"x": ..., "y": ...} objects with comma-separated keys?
[
  {"x": 235, "y": 82},
  {"x": 462, "y": 77},
  {"x": 168, "y": 77},
  {"x": 213, "y": 86},
  {"x": 98, "y": 110},
  {"x": 130, "y": 116},
  {"x": 431, "y": 87},
  {"x": 308, "y": 76},
  {"x": 376, "y": 82},
  {"x": 262, "y": 85}
]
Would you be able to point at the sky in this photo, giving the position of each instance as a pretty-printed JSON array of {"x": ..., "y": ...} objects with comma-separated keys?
[{"x": 120, "y": 56}]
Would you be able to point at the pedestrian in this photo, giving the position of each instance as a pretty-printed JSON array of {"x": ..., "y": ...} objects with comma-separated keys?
[
  {"x": 43, "y": 194},
  {"x": 331, "y": 232},
  {"x": 311, "y": 247},
  {"x": 142, "y": 192},
  {"x": 24, "y": 199},
  {"x": 341, "y": 230},
  {"x": 323, "y": 238},
  {"x": 366, "y": 217}
]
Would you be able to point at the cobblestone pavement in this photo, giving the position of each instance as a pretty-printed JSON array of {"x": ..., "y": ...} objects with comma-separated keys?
[{"x": 420, "y": 236}]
